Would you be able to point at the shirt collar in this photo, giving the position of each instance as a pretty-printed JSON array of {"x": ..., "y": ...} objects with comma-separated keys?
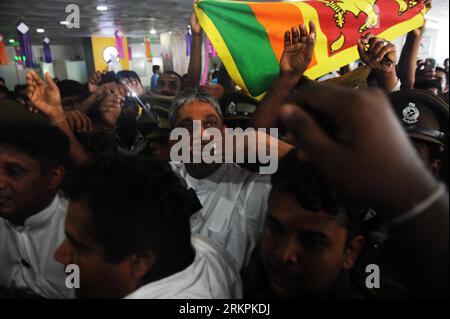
[{"x": 40, "y": 218}]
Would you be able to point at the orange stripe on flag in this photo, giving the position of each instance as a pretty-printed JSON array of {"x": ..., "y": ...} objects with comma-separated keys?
[{"x": 269, "y": 17}]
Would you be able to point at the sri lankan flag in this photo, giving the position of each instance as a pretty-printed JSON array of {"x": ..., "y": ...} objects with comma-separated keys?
[{"x": 249, "y": 36}]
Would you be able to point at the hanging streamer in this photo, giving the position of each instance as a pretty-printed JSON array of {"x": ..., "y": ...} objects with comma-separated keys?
[
  {"x": 19, "y": 60},
  {"x": 212, "y": 51},
  {"x": 148, "y": 49},
  {"x": 119, "y": 44},
  {"x": 23, "y": 34},
  {"x": 3, "y": 55},
  {"x": 47, "y": 52},
  {"x": 188, "y": 41},
  {"x": 205, "y": 57},
  {"x": 130, "y": 53}
]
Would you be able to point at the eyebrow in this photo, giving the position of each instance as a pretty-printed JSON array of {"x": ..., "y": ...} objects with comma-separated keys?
[
  {"x": 212, "y": 116},
  {"x": 310, "y": 233},
  {"x": 315, "y": 234},
  {"x": 15, "y": 165},
  {"x": 74, "y": 241},
  {"x": 273, "y": 220},
  {"x": 186, "y": 119}
]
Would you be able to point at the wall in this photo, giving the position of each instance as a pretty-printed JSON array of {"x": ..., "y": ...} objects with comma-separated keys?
[
  {"x": 98, "y": 46},
  {"x": 139, "y": 63},
  {"x": 61, "y": 54}
]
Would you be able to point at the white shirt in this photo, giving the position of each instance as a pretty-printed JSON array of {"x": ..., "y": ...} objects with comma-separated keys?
[
  {"x": 234, "y": 204},
  {"x": 212, "y": 275},
  {"x": 34, "y": 244}
]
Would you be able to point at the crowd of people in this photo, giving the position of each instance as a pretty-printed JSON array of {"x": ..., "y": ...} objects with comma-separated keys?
[{"x": 86, "y": 179}]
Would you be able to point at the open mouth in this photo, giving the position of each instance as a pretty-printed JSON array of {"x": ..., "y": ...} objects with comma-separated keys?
[{"x": 282, "y": 278}]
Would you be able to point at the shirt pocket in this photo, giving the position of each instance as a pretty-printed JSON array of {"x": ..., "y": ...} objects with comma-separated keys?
[{"x": 219, "y": 220}]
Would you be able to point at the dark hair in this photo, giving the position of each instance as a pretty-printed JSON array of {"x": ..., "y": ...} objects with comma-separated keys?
[
  {"x": 41, "y": 141},
  {"x": 434, "y": 150},
  {"x": 2, "y": 80},
  {"x": 137, "y": 206},
  {"x": 302, "y": 180},
  {"x": 128, "y": 74},
  {"x": 224, "y": 79},
  {"x": 4, "y": 89},
  {"x": 18, "y": 88},
  {"x": 427, "y": 84},
  {"x": 155, "y": 68},
  {"x": 70, "y": 88},
  {"x": 176, "y": 74},
  {"x": 441, "y": 70}
]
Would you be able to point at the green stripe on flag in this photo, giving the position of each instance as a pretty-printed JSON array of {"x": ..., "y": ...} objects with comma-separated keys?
[{"x": 251, "y": 50}]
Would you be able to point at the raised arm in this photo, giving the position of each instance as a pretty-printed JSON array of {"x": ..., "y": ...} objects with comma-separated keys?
[
  {"x": 195, "y": 62},
  {"x": 408, "y": 58},
  {"x": 297, "y": 55},
  {"x": 368, "y": 159},
  {"x": 381, "y": 56},
  {"x": 46, "y": 98}
]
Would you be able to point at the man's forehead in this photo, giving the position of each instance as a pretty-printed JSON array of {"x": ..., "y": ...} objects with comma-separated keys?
[
  {"x": 12, "y": 154},
  {"x": 285, "y": 209},
  {"x": 169, "y": 77},
  {"x": 196, "y": 109}
]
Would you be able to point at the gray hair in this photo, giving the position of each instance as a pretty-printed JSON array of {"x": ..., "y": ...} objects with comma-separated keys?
[{"x": 188, "y": 96}]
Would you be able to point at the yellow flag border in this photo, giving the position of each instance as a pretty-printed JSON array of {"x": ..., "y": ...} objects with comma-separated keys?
[{"x": 325, "y": 64}]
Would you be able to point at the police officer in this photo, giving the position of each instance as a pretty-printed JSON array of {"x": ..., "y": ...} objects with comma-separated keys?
[{"x": 425, "y": 118}]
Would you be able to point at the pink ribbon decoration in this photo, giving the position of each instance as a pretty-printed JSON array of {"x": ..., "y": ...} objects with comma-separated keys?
[
  {"x": 212, "y": 50},
  {"x": 119, "y": 44},
  {"x": 205, "y": 73}
]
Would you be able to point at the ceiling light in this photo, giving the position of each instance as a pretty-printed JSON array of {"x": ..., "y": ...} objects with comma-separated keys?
[
  {"x": 40, "y": 30},
  {"x": 63, "y": 22},
  {"x": 102, "y": 8},
  {"x": 152, "y": 31},
  {"x": 11, "y": 41}
]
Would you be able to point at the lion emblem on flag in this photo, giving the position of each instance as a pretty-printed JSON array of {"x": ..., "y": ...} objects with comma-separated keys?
[{"x": 356, "y": 7}]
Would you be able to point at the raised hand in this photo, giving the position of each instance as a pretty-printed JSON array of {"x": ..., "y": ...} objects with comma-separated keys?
[
  {"x": 298, "y": 50},
  {"x": 45, "y": 97},
  {"x": 94, "y": 80},
  {"x": 133, "y": 86},
  {"x": 111, "y": 107},
  {"x": 357, "y": 143},
  {"x": 78, "y": 121},
  {"x": 379, "y": 54},
  {"x": 195, "y": 25}
]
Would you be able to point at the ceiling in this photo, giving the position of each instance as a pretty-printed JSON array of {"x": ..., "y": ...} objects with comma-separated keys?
[{"x": 135, "y": 18}]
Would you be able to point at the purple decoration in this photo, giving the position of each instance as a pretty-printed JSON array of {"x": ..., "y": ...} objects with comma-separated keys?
[
  {"x": 46, "y": 47},
  {"x": 188, "y": 43},
  {"x": 25, "y": 44},
  {"x": 119, "y": 44},
  {"x": 130, "y": 53}
]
